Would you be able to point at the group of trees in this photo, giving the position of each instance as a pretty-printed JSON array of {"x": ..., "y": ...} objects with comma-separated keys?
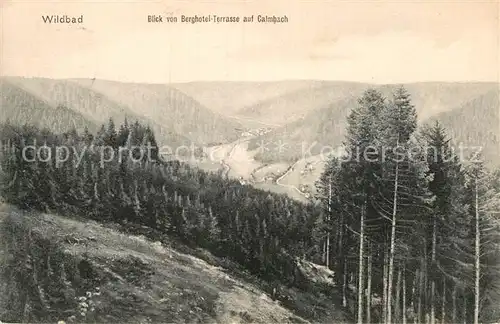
[
  {"x": 414, "y": 231},
  {"x": 262, "y": 231}
]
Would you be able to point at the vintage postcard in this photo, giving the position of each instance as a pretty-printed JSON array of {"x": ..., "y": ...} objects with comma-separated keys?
[{"x": 237, "y": 161}]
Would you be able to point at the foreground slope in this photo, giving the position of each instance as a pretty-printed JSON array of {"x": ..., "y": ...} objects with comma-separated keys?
[{"x": 53, "y": 266}]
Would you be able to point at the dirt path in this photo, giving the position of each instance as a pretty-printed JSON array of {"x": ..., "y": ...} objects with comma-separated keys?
[{"x": 228, "y": 156}]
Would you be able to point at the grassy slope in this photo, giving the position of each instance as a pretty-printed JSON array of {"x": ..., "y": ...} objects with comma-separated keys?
[
  {"x": 294, "y": 105},
  {"x": 140, "y": 281}
]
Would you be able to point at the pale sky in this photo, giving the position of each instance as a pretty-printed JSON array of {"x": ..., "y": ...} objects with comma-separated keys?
[{"x": 368, "y": 41}]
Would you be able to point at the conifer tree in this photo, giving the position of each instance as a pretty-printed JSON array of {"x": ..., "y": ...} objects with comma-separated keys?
[
  {"x": 484, "y": 229},
  {"x": 402, "y": 182},
  {"x": 353, "y": 182},
  {"x": 449, "y": 214},
  {"x": 111, "y": 136}
]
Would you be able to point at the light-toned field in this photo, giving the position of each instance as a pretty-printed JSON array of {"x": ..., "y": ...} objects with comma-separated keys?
[
  {"x": 219, "y": 152},
  {"x": 271, "y": 169},
  {"x": 296, "y": 180},
  {"x": 233, "y": 158},
  {"x": 305, "y": 172},
  {"x": 237, "y": 161},
  {"x": 241, "y": 161}
]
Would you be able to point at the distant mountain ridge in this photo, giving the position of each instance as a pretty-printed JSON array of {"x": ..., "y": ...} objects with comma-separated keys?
[
  {"x": 320, "y": 131},
  {"x": 471, "y": 112},
  {"x": 432, "y": 98},
  {"x": 176, "y": 118},
  {"x": 302, "y": 115},
  {"x": 92, "y": 105},
  {"x": 169, "y": 107},
  {"x": 21, "y": 107},
  {"x": 277, "y": 103},
  {"x": 229, "y": 97},
  {"x": 475, "y": 124},
  {"x": 294, "y": 105}
]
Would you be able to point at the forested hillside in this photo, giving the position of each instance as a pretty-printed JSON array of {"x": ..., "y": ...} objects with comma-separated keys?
[
  {"x": 288, "y": 99},
  {"x": 171, "y": 108},
  {"x": 20, "y": 107},
  {"x": 432, "y": 98},
  {"x": 409, "y": 228},
  {"x": 476, "y": 123},
  {"x": 176, "y": 118},
  {"x": 228, "y": 98},
  {"x": 417, "y": 227},
  {"x": 283, "y": 109},
  {"x": 319, "y": 132}
]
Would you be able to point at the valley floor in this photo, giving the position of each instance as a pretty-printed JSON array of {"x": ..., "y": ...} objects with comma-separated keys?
[{"x": 296, "y": 179}]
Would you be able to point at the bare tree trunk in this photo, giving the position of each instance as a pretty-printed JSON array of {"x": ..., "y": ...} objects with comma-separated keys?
[
  {"x": 465, "y": 308},
  {"x": 433, "y": 308},
  {"x": 324, "y": 251},
  {"x": 477, "y": 257},
  {"x": 393, "y": 243},
  {"x": 397, "y": 304},
  {"x": 416, "y": 301},
  {"x": 327, "y": 252},
  {"x": 421, "y": 291},
  {"x": 369, "y": 291},
  {"x": 404, "y": 295},
  {"x": 384, "y": 297},
  {"x": 443, "y": 303},
  {"x": 413, "y": 291},
  {"x": 342, "y": 258},
  {"x": 454, "y": 303},
  {"x": 425, "y": 287},
  {"x": 361, "y": 285},
  {"x": 344, "y": 284},
  {"x": 433, "y": 283}
]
